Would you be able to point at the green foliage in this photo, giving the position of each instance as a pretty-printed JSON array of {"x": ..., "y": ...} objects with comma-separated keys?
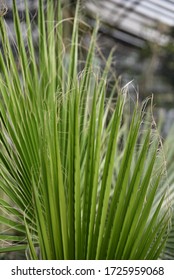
[
  {"x": 81, "y": 182},
  {"x": 168, "y": 252}
]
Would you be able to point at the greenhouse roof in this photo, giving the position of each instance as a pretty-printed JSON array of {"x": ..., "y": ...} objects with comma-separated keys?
[{"x": 135, "y": 21}]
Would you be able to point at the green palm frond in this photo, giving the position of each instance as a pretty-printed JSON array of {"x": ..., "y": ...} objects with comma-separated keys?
[{"x": 79, "y": 177}]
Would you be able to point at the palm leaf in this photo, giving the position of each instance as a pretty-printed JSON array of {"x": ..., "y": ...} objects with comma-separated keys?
[{"x": 79, "y": 178}]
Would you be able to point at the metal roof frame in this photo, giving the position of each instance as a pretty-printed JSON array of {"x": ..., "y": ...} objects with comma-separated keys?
[{"x": 148, "y": 20}]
